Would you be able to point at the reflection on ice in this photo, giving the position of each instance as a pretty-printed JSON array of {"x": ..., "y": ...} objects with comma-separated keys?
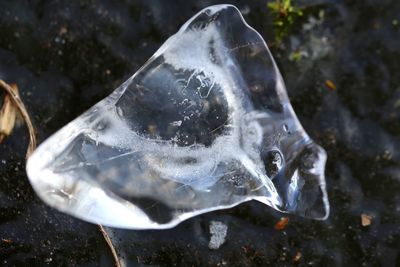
[{"x": 205, "y": 124}]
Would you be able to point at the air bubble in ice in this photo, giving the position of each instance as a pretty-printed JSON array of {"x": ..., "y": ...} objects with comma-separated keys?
[{"x": 205, "y": 124}]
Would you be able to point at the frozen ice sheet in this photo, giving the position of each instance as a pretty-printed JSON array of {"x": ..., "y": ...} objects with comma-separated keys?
[{"x": 205, "y": 124}]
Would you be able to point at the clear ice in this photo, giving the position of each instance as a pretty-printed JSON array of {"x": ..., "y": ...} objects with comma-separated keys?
[{"x": 205, "y": 124}]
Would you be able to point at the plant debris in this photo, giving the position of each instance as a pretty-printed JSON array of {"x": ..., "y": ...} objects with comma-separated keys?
[
  {"x": 330, "y": 85},
  {"x": 110, "y": 245},
  {"x": 297, "y": 257},
  {"x": 281, "y": 224},
  {"x": 366, "y": 219},
  {"x": 12, "y": 102},
  {"x": 285, "y": 16},
  {"x": 6, "y": 240},
  {"x": 8, "y": 115}
]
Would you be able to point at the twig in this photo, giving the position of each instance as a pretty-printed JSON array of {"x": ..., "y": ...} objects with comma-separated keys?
[
  {"x": 111, "y": 246},
  {"x": 21, "y": 107}
]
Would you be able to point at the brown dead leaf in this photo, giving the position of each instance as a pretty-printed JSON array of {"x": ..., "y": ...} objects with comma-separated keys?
[
  {"x": 9, "y": 112},
  {"x": 281, "y": 224},
  {"x": 366, "y": 219},
  {"x": 330, "y": 84}
]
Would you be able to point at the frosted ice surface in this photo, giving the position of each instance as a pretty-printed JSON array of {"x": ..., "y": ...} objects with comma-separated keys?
[{"x": 205, "y": 124}]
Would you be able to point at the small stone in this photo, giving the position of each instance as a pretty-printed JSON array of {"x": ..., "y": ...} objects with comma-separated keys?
[
  {"x": 366, "y": 219},
  {"x": 63, "y": 30},
  {"x": 297, "y": 257},
  {"x": 218, "y": 231}
]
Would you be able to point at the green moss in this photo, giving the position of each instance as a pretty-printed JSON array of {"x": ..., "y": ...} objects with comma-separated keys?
[
  {"x": 295, "y": 56},
  {"x": 285, "y": 15}
]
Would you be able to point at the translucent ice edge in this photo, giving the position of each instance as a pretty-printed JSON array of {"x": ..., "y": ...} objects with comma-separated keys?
[{"x": 204, "y": 125}]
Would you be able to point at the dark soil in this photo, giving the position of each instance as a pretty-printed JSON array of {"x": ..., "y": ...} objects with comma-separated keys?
[{"x": 67, "y": 55}]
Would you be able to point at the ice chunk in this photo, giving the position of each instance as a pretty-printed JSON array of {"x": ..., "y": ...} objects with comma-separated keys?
[{"x": 205, "y": 124}]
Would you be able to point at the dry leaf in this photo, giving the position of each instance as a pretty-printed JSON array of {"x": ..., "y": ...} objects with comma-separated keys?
[
  {"x": 366, "y": 219},
  {"x": 281, "y": 224}
]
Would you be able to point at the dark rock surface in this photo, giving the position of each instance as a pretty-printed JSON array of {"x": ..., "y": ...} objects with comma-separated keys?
[{"x": 67, "y": 55}]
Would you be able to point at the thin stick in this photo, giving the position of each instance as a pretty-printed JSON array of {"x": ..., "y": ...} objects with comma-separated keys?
[
  {"x": 21, "y": 107},
  {"x": 111, "y": 246}
]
